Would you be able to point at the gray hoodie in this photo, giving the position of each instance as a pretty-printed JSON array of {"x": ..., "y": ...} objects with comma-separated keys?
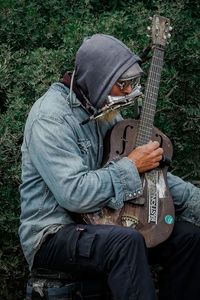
[{"x": 100, "y": 61}]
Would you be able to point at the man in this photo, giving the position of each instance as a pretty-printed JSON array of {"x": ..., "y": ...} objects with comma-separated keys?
[{"x": 62, "y": 174}]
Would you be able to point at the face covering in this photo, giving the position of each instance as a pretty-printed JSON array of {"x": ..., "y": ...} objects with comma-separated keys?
[{"x": 100, "y": 61}]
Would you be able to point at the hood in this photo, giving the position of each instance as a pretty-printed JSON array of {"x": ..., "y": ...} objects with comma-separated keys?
[{"x": 100, "y": 61}]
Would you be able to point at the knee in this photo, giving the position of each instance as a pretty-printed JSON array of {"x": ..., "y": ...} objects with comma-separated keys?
[
  {"x": 130, "y": 236},
  {"x": 135, "y": 235},
  {"x": 136, "y": 239},
  {"x": 188, "y": 232},
  {"x": 134, "y": 245},
  {"x": 195, "y": 234}
]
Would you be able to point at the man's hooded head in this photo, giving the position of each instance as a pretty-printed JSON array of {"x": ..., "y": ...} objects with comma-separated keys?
[{"x": 100, "y": 62}]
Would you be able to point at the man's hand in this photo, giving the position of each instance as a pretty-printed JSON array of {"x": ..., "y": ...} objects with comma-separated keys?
[{"x": 146, "y": 157}]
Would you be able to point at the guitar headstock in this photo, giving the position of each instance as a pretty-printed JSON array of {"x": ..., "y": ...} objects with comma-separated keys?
[{"x": 160, "y": 30}]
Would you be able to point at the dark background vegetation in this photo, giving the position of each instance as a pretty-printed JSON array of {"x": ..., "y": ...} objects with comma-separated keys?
[{"x": 38, "y": 42}]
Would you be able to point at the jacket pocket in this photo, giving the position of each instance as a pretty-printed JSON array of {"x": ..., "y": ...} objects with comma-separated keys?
[{"x": 85, "y": 244}]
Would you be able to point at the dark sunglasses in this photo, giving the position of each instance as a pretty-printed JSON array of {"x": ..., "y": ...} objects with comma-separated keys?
[{"x": 124, "y": 84}]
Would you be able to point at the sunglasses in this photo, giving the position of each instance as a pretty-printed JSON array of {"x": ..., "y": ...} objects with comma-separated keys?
[{"x": 124, "y": 84}]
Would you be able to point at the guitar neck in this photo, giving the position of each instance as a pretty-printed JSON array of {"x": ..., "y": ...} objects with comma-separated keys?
[{"x": 150, "y": 97}]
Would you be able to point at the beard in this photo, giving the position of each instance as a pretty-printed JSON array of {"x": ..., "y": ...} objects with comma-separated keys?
[{"x": 110, "y": 116}]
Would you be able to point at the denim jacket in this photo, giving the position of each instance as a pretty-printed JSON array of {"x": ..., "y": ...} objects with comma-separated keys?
[{"x": 61, "y": 171}]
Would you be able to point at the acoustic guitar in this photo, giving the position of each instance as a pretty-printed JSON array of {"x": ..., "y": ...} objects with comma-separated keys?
[{"x": 152, "y": 213}]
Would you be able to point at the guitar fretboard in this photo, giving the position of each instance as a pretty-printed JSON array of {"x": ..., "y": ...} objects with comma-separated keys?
[{"x": 150, "y": 98}]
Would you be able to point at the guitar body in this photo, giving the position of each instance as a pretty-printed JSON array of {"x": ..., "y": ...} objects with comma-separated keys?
[{"x": 152, "y": 213}]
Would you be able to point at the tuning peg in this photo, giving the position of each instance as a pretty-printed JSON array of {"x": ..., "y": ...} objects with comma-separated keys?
[
  {"x": 148, "y": 28},
  {"x": 148, "y": 35},
  {"x": 170, "y": 28},
  {"x": 169, "y": 35},
  {"x": 150, "y": 18}
]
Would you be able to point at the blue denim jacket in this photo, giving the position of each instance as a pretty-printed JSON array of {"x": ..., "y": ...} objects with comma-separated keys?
[{"x": 61, "y": 171}]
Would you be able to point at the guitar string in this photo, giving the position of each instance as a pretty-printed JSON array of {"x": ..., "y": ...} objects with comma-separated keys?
[{"x": 151, "y": 93}]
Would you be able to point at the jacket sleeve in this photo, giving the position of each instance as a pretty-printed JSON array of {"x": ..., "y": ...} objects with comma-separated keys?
[
  {"x": 56, "y": 156},
  {"x": 186, "y": 199}
]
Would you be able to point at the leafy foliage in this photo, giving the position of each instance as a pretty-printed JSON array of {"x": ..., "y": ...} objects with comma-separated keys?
[{"x": 39, "y": 40}]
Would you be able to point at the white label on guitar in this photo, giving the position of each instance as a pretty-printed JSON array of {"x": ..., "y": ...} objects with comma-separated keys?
[
  {"x": 161, "y": 185},
  {"x": 156, "y": 189}
]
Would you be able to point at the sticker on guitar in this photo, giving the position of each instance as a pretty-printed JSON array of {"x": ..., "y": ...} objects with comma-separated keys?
[{"x": 156, "y": 189}]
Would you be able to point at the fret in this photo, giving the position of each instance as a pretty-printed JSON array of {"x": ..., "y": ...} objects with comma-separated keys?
[
  {"x": 154, "y": 83},
  {"x": 155, "y": 87},
  {"x": 149, "y": 115},
  {"x": 150, "y": 106},
  {"x": 155, "y": 80},
  {"x": 151, "y": 99},
  {"x": 144, "y": 129},
  {"x": 156, "y": 75},
  {"x": 144, "y": 140},
  {"x": 157, "y": 67},
  {"x": 146, "y": 114},
  {"x": 150, "y": 96},
  {"x": 154, "y": 67},
  {"x": 156, "y": 63},
  {"x": 146, "y": 135},
  {"x": 157, "y": 58},
  {"x": 146, "y": 122},
  {"x": 150, "y": 109}
]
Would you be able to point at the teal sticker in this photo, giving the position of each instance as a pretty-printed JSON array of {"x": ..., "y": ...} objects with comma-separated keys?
[{"x": 169, "y": 219}]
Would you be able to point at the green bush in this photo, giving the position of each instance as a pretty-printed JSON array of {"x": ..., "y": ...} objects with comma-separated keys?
[{"x": 39, "y": 40}]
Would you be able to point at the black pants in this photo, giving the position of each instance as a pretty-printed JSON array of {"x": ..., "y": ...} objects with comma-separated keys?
[{"x": 121, "y": 253}]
